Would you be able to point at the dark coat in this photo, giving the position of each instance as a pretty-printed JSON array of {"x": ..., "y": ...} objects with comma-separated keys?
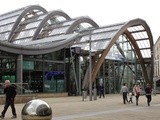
[
  {"x": 148, "y": 90},
  {"x": 10, "y": 92}
]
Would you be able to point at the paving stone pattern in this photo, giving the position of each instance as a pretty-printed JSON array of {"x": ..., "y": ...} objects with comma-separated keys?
[{"x": 109, "y": 108}]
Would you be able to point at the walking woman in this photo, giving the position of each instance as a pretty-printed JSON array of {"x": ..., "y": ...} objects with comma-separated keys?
[{"x": 137, "y": 90}]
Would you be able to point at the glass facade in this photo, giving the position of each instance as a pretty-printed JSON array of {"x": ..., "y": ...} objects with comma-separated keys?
[
  {"x": 7, "y": 67},
  {"x": 51, "y": 52},
  {"x": 42, "y": 73},
  {"x": 45, "y": 73}
]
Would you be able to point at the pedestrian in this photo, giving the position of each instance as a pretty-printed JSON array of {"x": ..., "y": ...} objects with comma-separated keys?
[
  {"x": 124, "y": 91},
  {"x": 136, "y": 91},
  {"x": 10, "y": 92},
  {"x": 130, "y": 96},
  {"x": 148, "y": 92},
  {"x": 101, "y": 91}
]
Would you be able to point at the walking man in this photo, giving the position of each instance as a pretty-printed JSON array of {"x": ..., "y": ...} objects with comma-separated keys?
[
  {"x": 124, "y": 91},
  {"x": 10, "y": 92},
  {"x": 101, "y": 91},
  {"x": 148, "y": 91}
]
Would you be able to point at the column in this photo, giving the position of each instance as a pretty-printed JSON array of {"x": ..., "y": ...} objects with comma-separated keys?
[{"x": 20, "y": 73}]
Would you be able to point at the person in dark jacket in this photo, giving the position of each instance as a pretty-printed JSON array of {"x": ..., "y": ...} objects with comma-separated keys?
[
  {"x": 10, "y": 91},
  {"x": 148, "y": 92},
  {"x": 101, "y": 91}
]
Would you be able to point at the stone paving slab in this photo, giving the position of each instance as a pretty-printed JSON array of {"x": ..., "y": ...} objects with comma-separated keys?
[{"x": 109, "y": 108}]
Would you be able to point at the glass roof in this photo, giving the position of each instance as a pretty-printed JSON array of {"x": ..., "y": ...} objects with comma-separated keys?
[
  {"x": 7, "y": 21},
  {"x": 60, "y": 28},
  {"x": 49, "y": 40},
  {"x": 50, "y": 28},
  {"x": 142, "y": 39},
  {"x": 28, "y": 26},
  {"x": 99, "y": 38},
  {"x": 11, "y": 14},
  {"x": 37, "y": 28}
]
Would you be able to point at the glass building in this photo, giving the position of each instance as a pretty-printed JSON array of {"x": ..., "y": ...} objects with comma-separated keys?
[{"x": 44, "y": 52}]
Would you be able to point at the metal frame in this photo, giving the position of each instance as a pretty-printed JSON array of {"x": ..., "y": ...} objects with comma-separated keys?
[
  {"x": 73, "y": 38},
  {"x": 113, "y": 40}
]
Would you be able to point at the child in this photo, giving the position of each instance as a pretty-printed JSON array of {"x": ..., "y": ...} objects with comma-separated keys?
[{"x": 130, "y": 96}]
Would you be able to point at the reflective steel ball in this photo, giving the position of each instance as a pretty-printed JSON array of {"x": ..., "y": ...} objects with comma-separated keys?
[{"x": 36, "y": 110}]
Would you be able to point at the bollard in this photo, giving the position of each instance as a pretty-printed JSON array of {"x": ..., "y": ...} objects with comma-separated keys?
[
  {"x": 36, "y": 110},
  {"x": 84, "y": 95},
  {"x": 95, "y": 93}
]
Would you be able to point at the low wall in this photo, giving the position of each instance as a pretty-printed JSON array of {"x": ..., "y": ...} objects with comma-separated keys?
[{"x": 28, "y": 97}]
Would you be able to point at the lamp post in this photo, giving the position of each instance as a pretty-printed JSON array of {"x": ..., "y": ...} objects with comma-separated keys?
[{"x": 90, "y": 69}]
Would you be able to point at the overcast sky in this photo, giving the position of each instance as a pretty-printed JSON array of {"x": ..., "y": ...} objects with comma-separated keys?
[{"x": 103, "y": 12}]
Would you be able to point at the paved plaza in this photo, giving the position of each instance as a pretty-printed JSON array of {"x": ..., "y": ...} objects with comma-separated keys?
[{"x": 108, "y": 108}]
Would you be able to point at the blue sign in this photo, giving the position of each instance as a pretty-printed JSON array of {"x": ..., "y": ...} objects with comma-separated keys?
[{"x": 49, "y": 75}]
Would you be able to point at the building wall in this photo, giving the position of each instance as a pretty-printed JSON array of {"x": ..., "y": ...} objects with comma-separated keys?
[{"x": 157, "y": 60}]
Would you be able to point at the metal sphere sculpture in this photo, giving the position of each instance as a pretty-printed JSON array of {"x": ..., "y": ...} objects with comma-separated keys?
[{"x": 36, "y": 110}]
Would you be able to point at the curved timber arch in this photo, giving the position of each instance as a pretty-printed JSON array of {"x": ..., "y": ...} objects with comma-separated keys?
[
  {"x": 79, "y": 21},
  {"x": 50, "y": 15},
  {"x": 116, "y": 36},
  {"x": 28, "y": 9},
  {"x": 137, "y": 50}
]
